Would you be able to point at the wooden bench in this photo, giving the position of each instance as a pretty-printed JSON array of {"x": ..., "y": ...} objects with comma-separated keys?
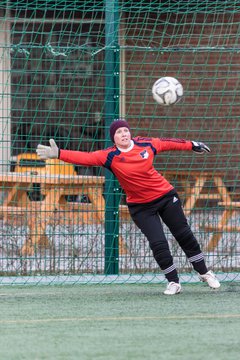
[{"x": 230, "y": 208}]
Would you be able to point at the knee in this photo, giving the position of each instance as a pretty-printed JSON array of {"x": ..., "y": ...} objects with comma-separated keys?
[{"x": 160, "y": 251}]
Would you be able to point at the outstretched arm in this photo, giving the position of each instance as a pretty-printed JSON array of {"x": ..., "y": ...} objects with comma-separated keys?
[
  {"x": 94, "y": 158},
  {"x": 166, "y": 144}
]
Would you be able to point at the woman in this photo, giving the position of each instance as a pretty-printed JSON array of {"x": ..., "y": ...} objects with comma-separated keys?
[{"x": 149, "y": 195}]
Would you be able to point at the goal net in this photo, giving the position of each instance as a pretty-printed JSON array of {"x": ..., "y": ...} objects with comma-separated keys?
[{"x": 67, "y": 70}]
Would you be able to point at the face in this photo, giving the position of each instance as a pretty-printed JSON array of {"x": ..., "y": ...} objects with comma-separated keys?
[{"x": 122, "y": 137}]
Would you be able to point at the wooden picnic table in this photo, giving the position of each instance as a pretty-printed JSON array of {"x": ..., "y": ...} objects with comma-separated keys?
[
  {"x": 195, "y": 186},
  {"x": 55, "y": 188}
]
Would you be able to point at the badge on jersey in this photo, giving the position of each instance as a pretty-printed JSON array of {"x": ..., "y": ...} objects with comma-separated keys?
[{"x": 144, "y": 154}]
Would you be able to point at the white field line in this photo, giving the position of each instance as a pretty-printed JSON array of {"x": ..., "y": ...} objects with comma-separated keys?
[{"x": 124, "y": 318}]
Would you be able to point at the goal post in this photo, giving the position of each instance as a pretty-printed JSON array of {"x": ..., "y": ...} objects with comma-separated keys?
[{"x": 111, "y": 114}]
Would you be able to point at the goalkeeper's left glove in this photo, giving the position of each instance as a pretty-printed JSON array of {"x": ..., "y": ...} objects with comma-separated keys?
[
  {"x": 199, "y": 147},
  {"x": 48, "y": 152}
]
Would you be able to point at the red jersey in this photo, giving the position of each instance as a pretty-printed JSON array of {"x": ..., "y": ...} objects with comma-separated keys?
[{"x": 134, "y": 169}]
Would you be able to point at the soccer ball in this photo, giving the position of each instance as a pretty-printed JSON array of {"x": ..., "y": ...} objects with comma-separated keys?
[{"x": 167, "y": 91}]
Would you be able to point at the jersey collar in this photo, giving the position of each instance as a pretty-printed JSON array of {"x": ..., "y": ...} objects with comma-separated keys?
[{"x": 128, "y": 149}]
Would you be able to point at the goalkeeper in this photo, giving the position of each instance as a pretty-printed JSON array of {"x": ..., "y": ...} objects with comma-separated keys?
[{"x": 149, "y": 195}]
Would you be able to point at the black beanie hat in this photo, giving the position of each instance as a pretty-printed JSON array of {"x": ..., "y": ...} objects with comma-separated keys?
[{"x": 116, "y": 125}]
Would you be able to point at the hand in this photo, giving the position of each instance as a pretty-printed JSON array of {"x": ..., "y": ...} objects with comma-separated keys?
[
  {"x": 48, "y": 152},
  {"x": 199, "y": 147}
]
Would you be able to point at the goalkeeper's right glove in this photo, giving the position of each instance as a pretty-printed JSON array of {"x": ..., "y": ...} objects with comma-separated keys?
[{"x": 48, "y": 152}]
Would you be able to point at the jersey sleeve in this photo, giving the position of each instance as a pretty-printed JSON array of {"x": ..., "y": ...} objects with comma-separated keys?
[
  {"x": 166, "y": 144},
  {"x": 84, "y": 158}
]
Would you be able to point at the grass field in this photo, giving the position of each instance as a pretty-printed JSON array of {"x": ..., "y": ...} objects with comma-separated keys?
[{"x": 119, "y": 322}]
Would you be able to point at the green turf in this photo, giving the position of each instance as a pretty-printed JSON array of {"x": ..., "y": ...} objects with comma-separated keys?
[{"x": 119, "y": 322}]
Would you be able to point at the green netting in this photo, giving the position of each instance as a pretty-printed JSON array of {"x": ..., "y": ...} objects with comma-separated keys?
[{"x": 67, "y": 69}]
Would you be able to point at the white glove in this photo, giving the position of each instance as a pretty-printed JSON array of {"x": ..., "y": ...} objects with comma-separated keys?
[
  {"x": 48, "y": 152},
  {"x": 199, "y": 147}
]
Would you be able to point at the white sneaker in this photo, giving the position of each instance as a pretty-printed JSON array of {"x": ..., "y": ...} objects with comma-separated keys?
[
  {"x": 211, "y": 279},
  {"x": 172, "y": 288}
]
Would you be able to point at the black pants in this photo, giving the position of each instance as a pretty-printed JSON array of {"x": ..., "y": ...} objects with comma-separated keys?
[{"x": 169, "y": 209}]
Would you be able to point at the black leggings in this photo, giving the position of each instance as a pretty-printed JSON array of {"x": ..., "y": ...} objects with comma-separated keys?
[{"x": 169, "y": 208}]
